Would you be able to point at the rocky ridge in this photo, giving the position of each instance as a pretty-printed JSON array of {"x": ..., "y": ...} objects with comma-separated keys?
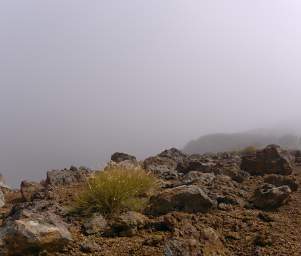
[{"x": 210, "y": 204}]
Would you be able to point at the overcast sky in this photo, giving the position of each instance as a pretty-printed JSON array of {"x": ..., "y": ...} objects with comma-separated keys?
[{"x": 82, "y": 79}]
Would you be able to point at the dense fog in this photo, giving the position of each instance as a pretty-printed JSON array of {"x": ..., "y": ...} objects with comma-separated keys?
[{"x": 83, "y": 79}]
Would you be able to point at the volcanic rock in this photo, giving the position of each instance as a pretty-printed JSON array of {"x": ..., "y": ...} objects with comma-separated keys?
[
  {"x": 271, "y": 159},
  {"x": 269, "y": 197},
  {"x": 183, "y": 198}
]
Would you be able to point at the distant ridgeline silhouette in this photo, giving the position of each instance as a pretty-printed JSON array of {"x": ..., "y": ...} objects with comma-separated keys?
[{"x": 221, "y": 142}]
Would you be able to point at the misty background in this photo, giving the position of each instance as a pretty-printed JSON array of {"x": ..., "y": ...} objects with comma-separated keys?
[{"x": 83, "y": 79}]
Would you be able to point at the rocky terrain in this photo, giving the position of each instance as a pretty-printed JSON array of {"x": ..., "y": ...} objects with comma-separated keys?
[{"x": 212, "y": 204}]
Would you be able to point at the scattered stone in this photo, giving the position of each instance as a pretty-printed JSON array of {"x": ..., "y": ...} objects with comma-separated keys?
[
  {"x": 183, "y": 198},
  {"x": 29, "y": 188},
  {"x": 268, "y": 196}
]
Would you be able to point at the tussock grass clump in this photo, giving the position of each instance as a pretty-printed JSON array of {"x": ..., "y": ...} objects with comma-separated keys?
[{"x": 116, "y": 189}]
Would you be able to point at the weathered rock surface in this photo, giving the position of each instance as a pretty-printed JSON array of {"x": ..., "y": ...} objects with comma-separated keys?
[
  {"x": 269, "y": 197},
  {"x": 66, "y": 177},
  {"x": 183, "y": 198},
  {"x": 162, "y": 167},
  {"x": 271, "y": 159},
  {"x": 27, "y": 231},
  {"x": 174, "y": 154}
]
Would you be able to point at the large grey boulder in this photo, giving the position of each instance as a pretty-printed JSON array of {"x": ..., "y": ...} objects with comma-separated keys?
[
  {"x": 271, "y": 159},
  {"x": 183, "y": 198}
]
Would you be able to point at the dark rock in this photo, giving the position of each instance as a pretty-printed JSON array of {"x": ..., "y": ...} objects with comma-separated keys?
[
  {"x": 195, "y": 164},
  {"x": 183, "y": 198},
  {"x": 269, "y": 197},
  {"x": 267, "y": 161},
  {"x": 162, "y": 167},
  {"x": 120, "y": 157},
  {"x": 280, "y": 180},
  {"x": 174, "y": 154}
]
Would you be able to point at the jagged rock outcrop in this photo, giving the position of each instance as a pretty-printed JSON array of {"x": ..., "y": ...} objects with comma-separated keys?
[
  {"x": 162, "y": 167},
  {"x": 67, "y": 177},
  {"x": 271, "y": 159},
  {"x": 183, "y": 198}
]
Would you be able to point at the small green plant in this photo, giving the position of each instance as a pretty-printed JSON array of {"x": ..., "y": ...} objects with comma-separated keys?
[{"x": 115, "y": 189}]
